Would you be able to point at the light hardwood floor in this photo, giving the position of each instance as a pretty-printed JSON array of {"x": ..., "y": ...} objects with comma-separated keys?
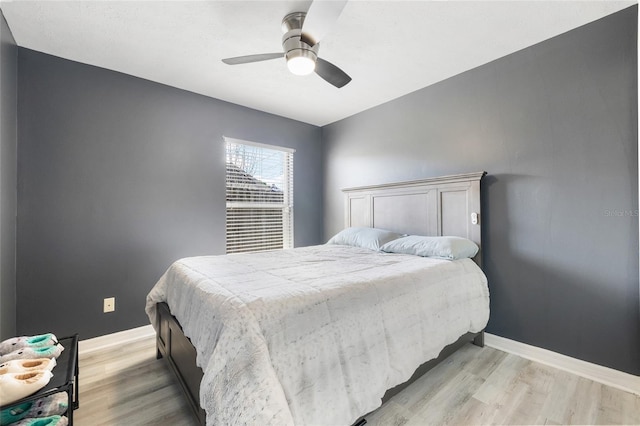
[{"x": 127, "y": 386}]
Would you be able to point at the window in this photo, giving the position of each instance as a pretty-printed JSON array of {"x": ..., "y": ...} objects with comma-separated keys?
[{"x": 259, "y": 196}]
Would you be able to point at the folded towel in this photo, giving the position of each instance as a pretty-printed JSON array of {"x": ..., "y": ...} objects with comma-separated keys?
[
  {"x": 50, "y": 405},
  {"x": 14, "y": 386},
  {"x": 44, "y": 421},
  {"x": 15, "y": 343},
  {"x": 33, "y": 353},
  {"x": 25, "y": 365}
]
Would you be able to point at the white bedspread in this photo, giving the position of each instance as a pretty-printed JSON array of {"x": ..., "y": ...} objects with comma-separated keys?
[{"x": 315, "y": 335}]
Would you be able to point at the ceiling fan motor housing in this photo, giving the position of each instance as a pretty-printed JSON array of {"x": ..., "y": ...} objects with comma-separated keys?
[{"x": 292, "y": 43}]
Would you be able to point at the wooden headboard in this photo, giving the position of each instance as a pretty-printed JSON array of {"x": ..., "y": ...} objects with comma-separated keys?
[{"x": 446, "y": 205}]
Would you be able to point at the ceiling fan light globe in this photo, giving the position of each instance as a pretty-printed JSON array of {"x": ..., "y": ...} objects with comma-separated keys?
[{"x": 301, "y": 65}]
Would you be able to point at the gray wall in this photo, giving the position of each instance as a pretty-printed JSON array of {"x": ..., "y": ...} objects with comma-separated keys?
[
  {"x": 8, "y": 178},
  {"x": 554, "y": 125},
  {"x": 118, "y": 177}
]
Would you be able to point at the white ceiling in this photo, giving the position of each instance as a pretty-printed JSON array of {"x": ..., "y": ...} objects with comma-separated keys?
[{"x": 389, "y": 48}]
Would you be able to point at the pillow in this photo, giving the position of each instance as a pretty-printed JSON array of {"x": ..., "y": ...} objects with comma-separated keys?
[
  {"x": 441, "y": 247},
  {"x": 370, "y": 238}
]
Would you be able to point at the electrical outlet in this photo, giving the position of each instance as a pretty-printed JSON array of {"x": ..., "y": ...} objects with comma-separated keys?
[{"x": 109, "y": 304}]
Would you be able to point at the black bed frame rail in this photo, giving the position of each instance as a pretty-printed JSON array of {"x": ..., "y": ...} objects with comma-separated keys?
[{"x": 173, "y": 345}]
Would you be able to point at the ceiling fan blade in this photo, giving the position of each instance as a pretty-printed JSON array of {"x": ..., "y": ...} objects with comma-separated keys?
[
  {"x": 321, "y": 17},
  {"x": 252, "y": 58},
  {"x": 331, "y": 73}
]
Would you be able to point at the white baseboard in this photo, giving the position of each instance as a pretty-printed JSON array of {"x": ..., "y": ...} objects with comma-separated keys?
[
  {"x": 113, "y": 339},
  {"x": 608, "y": 376}
]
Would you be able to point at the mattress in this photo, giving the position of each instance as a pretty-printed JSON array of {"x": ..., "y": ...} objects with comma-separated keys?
[{"x": 315, "y": 335}]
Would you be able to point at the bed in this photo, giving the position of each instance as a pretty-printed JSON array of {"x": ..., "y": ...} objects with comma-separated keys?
[{"x": 319, "y": 335}]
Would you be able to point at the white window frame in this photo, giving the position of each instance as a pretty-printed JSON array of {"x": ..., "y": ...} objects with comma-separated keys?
[{"x": 286, "y": 206}]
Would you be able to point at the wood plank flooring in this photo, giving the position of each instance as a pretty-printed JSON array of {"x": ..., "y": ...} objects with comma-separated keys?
[{"x": 127, "y": 386}]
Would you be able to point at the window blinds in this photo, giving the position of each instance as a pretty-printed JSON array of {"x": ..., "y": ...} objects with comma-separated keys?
[{"x": 259, "y": 183}]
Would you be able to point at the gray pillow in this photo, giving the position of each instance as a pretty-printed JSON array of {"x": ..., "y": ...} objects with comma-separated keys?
[
  {"x": 370, "y": 238},
  {"x": 441, "y": 247}
]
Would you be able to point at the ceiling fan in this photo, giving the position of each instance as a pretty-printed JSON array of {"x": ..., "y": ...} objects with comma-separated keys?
[{"x": 301, "y": 42}]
